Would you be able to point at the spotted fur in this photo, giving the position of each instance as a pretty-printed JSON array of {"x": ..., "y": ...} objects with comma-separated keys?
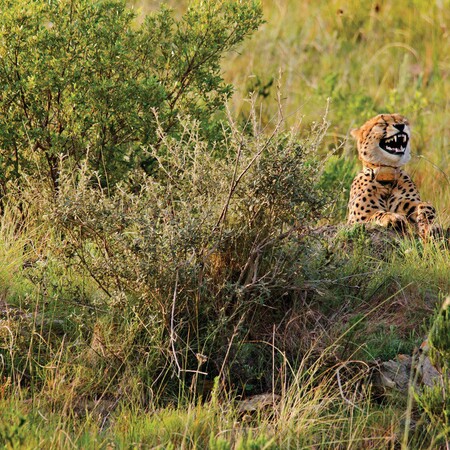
[{"x": 382, "y": 192}]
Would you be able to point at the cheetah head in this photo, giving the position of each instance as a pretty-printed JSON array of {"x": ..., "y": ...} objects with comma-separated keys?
[{"x": 384, "y": 140}]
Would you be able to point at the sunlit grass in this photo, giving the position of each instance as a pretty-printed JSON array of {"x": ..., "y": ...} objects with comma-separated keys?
[{"x": 314, "y": 412}]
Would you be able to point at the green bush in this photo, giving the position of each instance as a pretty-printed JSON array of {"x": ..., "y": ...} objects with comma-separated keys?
[
  {"x": 186, "y": 261},
  {"x": 80, "y": 80}
]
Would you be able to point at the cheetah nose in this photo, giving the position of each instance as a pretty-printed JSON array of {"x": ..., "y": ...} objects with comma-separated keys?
[{"x": 399, "y": 126}]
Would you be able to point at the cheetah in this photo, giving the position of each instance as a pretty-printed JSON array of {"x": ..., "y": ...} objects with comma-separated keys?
[{"x": 382, "y": 193}]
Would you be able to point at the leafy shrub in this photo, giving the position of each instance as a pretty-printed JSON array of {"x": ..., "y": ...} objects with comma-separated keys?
[
  {"x": 80, "y": 79},
  {"x": 187, "y": 259}
]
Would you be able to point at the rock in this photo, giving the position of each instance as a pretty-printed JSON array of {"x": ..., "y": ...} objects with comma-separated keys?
[
  {"x": 258, "y": 402},
  {"x": 394, "y": 374},
  {"x": 428, "y": 373},
  {"x": 399, "y": 373}
]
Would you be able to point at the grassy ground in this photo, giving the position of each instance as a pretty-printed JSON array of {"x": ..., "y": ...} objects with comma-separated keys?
[{"x": 84, "y": 367}]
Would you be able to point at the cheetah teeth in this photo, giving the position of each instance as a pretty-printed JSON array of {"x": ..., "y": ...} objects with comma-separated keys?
[
  {"x": 401, "y": 137},
  {"x": 395, "y": 144}
]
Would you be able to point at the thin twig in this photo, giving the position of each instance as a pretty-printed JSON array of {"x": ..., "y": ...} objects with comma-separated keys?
[
  {"x": 236, "y": 180},
  {"x": 235, "y": 332},
  {"x": 341, "y": 391},
  {"x": 172, "y": 327}
]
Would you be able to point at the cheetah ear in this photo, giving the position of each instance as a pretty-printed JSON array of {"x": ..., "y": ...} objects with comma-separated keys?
[{"x": 355, "y": 133}]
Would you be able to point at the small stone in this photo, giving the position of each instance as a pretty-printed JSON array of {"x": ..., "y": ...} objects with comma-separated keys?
[{"x": 258, "y": 402}]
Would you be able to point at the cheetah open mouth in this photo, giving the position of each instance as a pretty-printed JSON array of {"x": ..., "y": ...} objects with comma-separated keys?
[{"x": 395, "y": 145}]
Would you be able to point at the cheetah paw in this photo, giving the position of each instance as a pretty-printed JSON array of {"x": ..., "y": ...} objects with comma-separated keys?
[
  {"x": 432, "y": 230},
  {"x": 425, "y": 222},
  {"x": 392, "y": 220}
]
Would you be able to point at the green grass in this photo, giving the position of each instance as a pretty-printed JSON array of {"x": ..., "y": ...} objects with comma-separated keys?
[
  {"x": 84, "y": 366},
  {"x": 312, "y": 415}
]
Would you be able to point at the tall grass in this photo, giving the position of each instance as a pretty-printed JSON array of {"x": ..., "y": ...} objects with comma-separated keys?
[
  {"x": 313, "y": 413},
  {"x": 319, "y": 409},
  {"x": 11, "y": 252}
]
